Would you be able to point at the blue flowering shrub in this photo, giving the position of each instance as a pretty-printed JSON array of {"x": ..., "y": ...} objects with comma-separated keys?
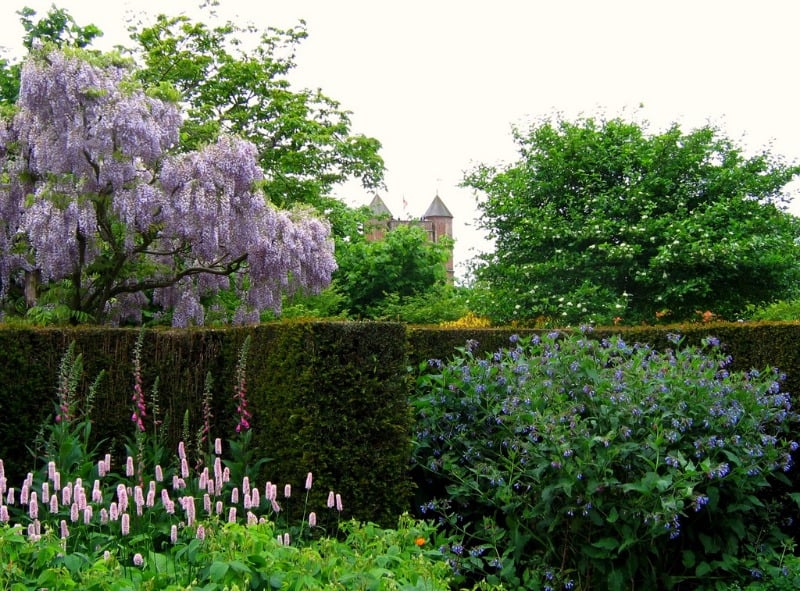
[{"x": 567, "y": 462}]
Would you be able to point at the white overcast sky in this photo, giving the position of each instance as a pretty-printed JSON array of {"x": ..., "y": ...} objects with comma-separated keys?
[{"x": 440, "y": 82}]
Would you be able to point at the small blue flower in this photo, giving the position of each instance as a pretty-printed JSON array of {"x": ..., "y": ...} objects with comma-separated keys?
[{"x": 700, "y": 502}]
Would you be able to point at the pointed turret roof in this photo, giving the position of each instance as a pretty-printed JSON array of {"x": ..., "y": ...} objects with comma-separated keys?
[
  {"x": 378, "y": 207},
  {"x": 437, "y": 208}
]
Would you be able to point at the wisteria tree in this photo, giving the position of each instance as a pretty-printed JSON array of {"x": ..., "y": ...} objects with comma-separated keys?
[{"x": 102, "y": 217}]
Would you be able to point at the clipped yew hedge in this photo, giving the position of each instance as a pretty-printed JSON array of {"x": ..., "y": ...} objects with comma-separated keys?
[
  {"x": 330, "y": 398},
  {"x": 326, "y": 397}
]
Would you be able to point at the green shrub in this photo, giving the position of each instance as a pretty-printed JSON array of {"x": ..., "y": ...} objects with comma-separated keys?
[
  {"x": 566, "y": 462},
  {"x": 783, "y": 311},
  {"x": 78, "y": 521}
]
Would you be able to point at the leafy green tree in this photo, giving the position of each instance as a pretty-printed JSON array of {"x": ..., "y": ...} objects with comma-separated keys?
[
  {"x": 303, "y": 137},
  {"x": 57, "y": 27},
  {"x": 373, "y": 274},
  {"x": 601, "y": 220}
]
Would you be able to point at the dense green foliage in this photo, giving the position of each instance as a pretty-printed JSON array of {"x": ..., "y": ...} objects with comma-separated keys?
[
  {"x": 600, "y": 219},
  {"x": 575, "y": 463},
  {"x": 186, "y": 521},
  {"x": 373, "y": 276},
  {"x": 329, "y": 394},
  {"x": 233, "y": 79}
]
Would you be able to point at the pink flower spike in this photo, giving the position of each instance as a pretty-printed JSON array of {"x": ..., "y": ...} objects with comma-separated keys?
[
  {"x": 173, "y": 534},
  {"x": 181, "y": 451},
  {"x": 64, "y": 530},
  {"x": 122, "y": 497},
  {"x": 309, "y": 480},
  {"x": 138, "y": 559},
  {"x": 218, "y": 446},
  {"x": 33, "y": 506},
  {"x": 339, "y": 506},
  {"x": 331, "y": 500},
  {"x": 129, "y": 466},
  {"x": 287, "y": 491},
  {"x": 312, "y": 519},
  {"x": 159, "y": 473},
  {"x": 125, "y": 524}
]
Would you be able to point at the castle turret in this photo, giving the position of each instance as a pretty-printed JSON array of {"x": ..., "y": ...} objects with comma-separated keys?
[
  {"x": 437, "y": 222},
  {"x": 381, "y": 223},
  {"x": 440, "y": 225}
]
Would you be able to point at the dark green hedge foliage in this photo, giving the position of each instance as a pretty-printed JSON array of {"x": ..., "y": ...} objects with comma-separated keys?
[{"x": 330, "y": 398}]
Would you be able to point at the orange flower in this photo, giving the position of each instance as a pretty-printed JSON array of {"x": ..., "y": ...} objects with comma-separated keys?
[{"x": 419, "y": 541}]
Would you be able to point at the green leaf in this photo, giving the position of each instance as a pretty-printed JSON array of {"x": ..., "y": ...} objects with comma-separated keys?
[
  {"x": 606, "y": 543},
  {"x": 702, "y": 569},
  {"x": 616, "y": 581},
  {"x": 217, "y": 570},
  {"x": 613, "y": 515}
]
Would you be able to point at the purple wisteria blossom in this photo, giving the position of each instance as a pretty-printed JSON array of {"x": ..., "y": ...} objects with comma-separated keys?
[{"x": 100, "y": 203}]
